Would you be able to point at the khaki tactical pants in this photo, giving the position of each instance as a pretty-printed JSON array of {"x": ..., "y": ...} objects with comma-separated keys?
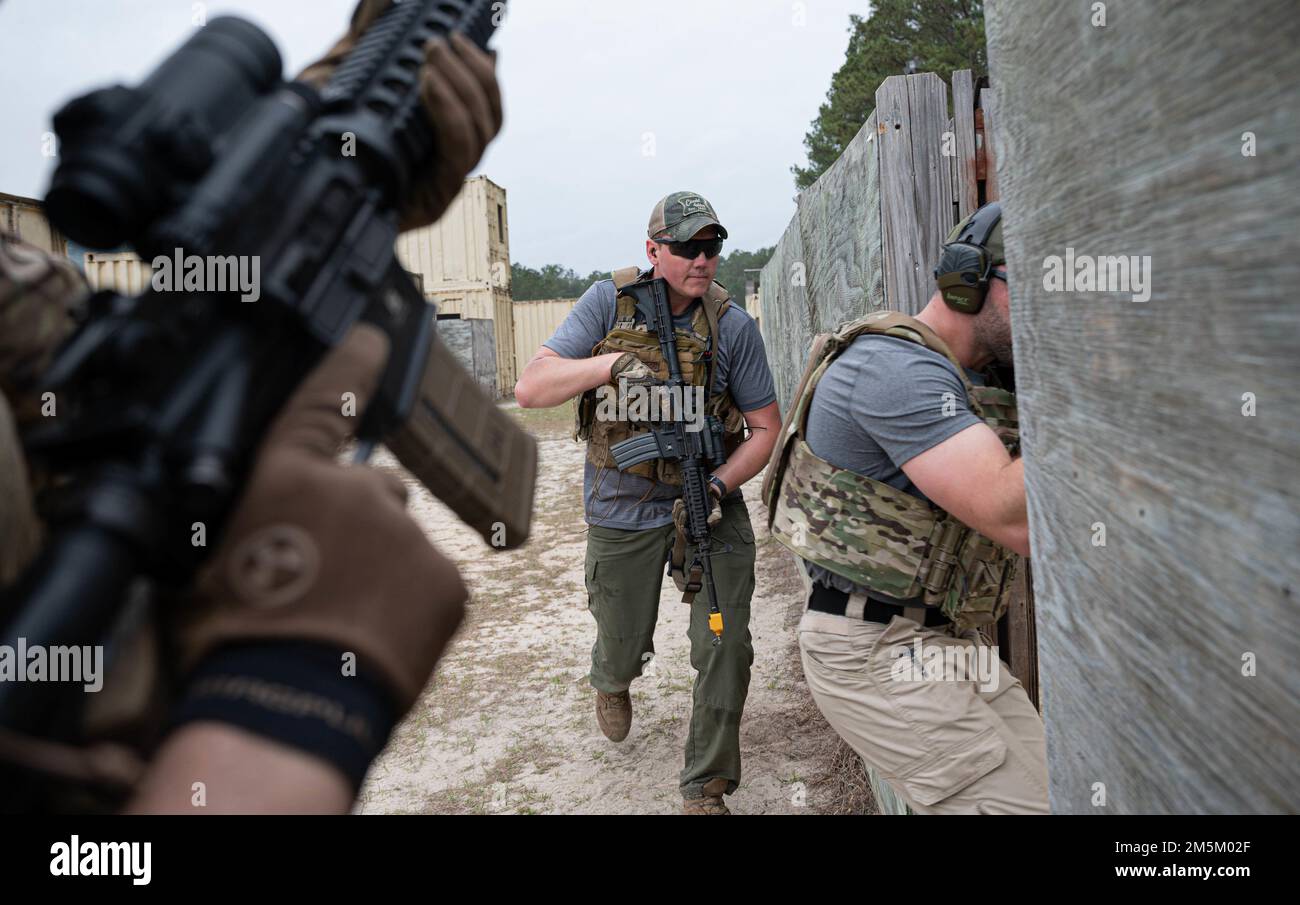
[
  {"x": 946, "y": 746},
  {"x": 625, "y": 570}
]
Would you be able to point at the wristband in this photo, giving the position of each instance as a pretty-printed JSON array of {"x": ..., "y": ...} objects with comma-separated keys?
[
  {"x": 294, "y": 693},
  {"x": 721, "y": 485}
]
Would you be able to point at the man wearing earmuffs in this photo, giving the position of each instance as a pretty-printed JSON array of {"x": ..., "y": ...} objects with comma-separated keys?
[{"x": 897, "y": 480}]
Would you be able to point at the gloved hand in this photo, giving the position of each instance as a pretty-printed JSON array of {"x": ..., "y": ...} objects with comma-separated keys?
[
  {"x": 633, "y": 378},
  {"x": 632, "y": 369},
  {"x": 459, "y": 88},
  {"x": 715, "y": 511},
  {"x": 323, "y": 552}
]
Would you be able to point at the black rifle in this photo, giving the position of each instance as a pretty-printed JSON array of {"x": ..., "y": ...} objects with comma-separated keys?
[
  {"x": 163, "y": 400},
  {"x": 697, "y": 446}
]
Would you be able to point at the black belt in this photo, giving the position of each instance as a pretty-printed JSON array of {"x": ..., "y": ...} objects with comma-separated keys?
[{"x": 829, "y": 600}]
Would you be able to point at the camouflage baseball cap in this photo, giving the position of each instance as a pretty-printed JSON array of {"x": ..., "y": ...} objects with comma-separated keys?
[{"x": 682, "y": 215}]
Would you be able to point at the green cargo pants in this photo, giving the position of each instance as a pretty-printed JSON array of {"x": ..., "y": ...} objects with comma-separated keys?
[{"x": 625, "y": 571}]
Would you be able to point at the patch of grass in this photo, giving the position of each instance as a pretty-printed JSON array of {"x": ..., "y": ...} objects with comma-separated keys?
[
  {"x": 665, "y": 727},
  {"x": 497, "y": 789},
  {"x": 553, "y": 423}
]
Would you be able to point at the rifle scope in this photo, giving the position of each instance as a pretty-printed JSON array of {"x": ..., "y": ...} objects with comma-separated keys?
[{"x": 127, "y": 155}]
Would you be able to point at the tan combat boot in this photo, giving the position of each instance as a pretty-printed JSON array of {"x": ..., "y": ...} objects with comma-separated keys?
[
  {"x": 710, "y": 803},
  {"x": 614, "y": 714}
]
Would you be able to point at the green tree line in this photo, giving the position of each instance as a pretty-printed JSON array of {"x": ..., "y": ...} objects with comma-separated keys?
[
  {"x": 897, "y": 37},
  {"x": 554, "y": 281}
]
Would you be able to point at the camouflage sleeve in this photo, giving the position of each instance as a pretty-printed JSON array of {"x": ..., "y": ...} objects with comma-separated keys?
[{"x": 38, "y": 294}]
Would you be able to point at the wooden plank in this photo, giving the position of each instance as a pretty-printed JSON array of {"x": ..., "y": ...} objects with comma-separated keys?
[
  {"x": 1018, "y": 636},
  {"x": 915, "y": 198},
  {"x": 888, "y": 802},
  {"x": 950, "y": 139},
  {"x": 785, "y": 304},
  {"x": 1017, "y": 632},
  {"x": 1135, "y": 416},
  {"x": 827, "y": 267},
  {"x": 989, "y": 103},
  {"x": 899, "y": 233},
  {"x": 965, "y": 186},
  {"x": 928, "y": 99},
  {"x": 839, "y": 221}
]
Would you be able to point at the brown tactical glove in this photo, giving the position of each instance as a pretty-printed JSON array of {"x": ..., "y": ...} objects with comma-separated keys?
[
  {"x": 631, "y": 368},
  {"x": 459, "y": 88},
  {"x": 322, "y": 551},
  {"x": 629, "y": 372},
  {"x": 689, "y": 582},
  {"x": 325, "y": 601},
  {"x": 715, "y": 511}
]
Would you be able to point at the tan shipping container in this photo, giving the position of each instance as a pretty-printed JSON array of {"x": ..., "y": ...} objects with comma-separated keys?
[
  {"x": 469, "y": 246},
  {"x": 120, "y": 271},
  {"x": 464, "y": 261},
  {"x": 489, "y": 304},
  {"x": 535, "y": 322},
  {"x": 452, "y": 260},
  {"x": 25, "y": 218},
  {"x": 127, "y": 274}
]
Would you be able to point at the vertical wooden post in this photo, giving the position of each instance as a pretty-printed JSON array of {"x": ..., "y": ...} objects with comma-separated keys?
[
  {"x": 916, "y": 207},
  {"x": 989, "y": 104},
  {"x": 965, "y": 186}
]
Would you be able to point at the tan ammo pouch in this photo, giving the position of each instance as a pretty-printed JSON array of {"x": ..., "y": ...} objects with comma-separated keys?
[
  {"x": 689, "y": 583},
  {"x": 881, "y": 538}
]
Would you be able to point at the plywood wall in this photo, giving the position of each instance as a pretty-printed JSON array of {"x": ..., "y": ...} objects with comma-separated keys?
[{"x": 1168, "y": 429}]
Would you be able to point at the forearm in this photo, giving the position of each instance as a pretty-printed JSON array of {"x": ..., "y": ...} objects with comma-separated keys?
[
  {"x": 241, "y": 773},
  {"x": 1007, "y": 521},
  {"x": 749, "y": 458},
  {"x": 549, "y": 380}
]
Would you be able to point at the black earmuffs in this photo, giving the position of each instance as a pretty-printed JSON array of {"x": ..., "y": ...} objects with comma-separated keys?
[{"x": 965, "y": 262}]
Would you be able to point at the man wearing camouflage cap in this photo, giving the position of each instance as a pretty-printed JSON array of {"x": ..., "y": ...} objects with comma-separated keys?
[
  {"x": 633, "y": 516},
  {"x": 896, "y": 479}
]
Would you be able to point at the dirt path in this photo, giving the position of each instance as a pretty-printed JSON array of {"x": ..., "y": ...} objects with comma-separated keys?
[{"x": 507, "y": 724}]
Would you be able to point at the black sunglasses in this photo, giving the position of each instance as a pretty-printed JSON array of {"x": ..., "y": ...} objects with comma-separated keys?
[{"x": 691, "y": 249}]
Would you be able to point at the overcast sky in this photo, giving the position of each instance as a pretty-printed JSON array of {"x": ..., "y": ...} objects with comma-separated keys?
[{"x": 610, "y": 104}]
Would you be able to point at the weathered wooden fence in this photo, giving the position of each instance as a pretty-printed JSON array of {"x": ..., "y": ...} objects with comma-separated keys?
[
  {"x": 1161, "y": 436},
  {"x": 867, "y": 235}
]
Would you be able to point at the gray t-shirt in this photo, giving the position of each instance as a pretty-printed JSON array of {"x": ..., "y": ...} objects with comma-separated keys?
[
  {"x": 882, "y": 402},
  {"x": 613, "y": 499}
]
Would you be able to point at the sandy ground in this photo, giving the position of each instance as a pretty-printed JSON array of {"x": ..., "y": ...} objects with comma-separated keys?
[{"x": 507, "y": 724}]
